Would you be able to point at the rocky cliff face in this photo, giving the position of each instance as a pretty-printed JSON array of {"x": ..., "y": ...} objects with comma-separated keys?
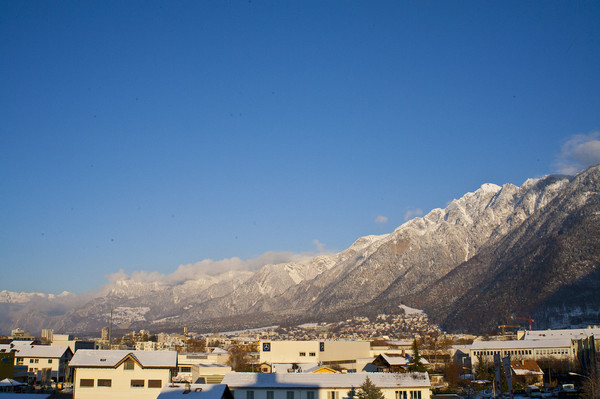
[
  {"x": 492, "y": 254},
  {"x": 547, "y": 267}
]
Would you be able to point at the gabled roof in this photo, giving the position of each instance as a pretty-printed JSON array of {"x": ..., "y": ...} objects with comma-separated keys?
[
  {"x": 324, "y": 380},
  {"x": 44, "y": 351},
  {"x": 110, "y": 358},
  {"x": 525, "y": 367},
  {"x": 395, "y": 360}
]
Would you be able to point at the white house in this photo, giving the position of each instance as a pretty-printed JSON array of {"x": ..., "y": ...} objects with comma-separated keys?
[
  {"x": 325, "y": 385},
  {"x": 121, "y": 373}
]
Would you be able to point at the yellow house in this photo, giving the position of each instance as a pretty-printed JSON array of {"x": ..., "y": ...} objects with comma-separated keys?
[{"x": 121, "y": 373}]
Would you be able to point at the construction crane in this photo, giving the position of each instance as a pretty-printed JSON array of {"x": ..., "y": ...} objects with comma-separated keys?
[
  {"x": 503, "y": 326},
  {"x": 529, "y": 319}
]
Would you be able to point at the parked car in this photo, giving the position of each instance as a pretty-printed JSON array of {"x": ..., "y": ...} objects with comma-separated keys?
[{"x": 533, "y": 391}]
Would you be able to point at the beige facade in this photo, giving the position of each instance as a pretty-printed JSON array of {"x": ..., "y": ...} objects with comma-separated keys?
[
  {"x": 121, "y": 374},
  {"x": 342, "y": 353},
  {"x": 44, "y": 362}
]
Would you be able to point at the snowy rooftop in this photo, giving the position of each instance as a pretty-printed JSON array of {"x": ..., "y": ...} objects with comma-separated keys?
[
  {"x": 326, "y": 380},
  {"x": 522, "y": 344},
  {"x": 284, "y": 367},
  {"x": 110, "y": 358},
  {"x": 525, "y": 367},
  {"x": 576, "y": 333},
  {"x": 203, "y": 391},
  {"x": 14, "y": 345},
  {"x": 40, "y": 351},
  {"x": 395, "y": 360}
]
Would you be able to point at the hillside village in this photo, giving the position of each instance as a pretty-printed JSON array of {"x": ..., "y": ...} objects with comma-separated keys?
[{"x": 311, "y": 361}]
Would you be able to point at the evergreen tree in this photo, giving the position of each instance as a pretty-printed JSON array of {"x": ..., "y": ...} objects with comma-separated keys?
[
  {"x": 416, "y": 365},
  {"x": 368, "y": 390}
]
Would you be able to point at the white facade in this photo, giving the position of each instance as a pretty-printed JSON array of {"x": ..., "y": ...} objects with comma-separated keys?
[
  {"x": 344, "y": 353},
  {"x": 121, "y": 374},
  {"x": 560, "y": 349},
  {"x": 325, "y": 386}
]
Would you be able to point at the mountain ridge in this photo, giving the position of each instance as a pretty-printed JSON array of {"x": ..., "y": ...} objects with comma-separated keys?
[{"x": 437, "y": 262}]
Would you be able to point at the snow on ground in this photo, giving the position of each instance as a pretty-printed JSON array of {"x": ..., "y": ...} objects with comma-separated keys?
[{"x": 409, "y": 310}]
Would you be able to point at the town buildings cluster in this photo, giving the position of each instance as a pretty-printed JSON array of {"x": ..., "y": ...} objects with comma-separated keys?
[{"x": 317, "y": 361}]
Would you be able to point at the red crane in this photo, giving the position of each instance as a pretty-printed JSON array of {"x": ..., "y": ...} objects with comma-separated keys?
[{"x": 529, "y": 319}]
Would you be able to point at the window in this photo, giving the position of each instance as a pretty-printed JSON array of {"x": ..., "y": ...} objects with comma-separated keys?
[
  {"x": 84, "y": 382},
  {"x": 309, "y": 395},
  {"x": 270, "y": 395},
  {"x": 185, "y": 369},
  {"x": 302, "y": 353},
  {"x": 137, "y": 383},
  {"x": 37, "y": 361},
  {"x": 104, "y": 383},
  {"x": 415, "y": 394},
  {"x": 332, "y": 395},
  {"x": 249, "y": 394},
  {"x": 30, "y": 360},
  {"x": 289, "y": 395},
  {"x": 49, "y": 361},
  {"x": 312, "y": 354},
  {"x": 129, "y": 365},
  {"x": 154, "y": 383}
]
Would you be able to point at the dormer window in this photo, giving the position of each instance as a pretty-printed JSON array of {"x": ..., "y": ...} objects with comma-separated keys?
[{"x": 129, "y": 365}]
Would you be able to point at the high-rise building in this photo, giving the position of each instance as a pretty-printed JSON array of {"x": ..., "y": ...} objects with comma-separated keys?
[
  {"x": 105, "y": 332},
  {"x": 48, "y": 334}
]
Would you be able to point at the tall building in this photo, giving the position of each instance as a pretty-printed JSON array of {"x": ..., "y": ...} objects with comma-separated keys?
[
  {"x": 105, "y": 333},
  {"x": 48, "y": 334}
]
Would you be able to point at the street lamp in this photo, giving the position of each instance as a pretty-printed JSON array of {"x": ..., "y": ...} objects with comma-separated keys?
[{"x": 592, "y": 383}]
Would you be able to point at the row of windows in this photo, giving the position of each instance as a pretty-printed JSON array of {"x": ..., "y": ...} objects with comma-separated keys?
[
  {"x": 504, "y": 352},
  {"x": 89, "y": 383},
  {"x": 408, "y": 394},
  {"x": 309, "y": 354},
  {"x": 335, "y": 395},
  {"x": 291, "y": 394},
  {"x": 20, "y": 361},
  {"x": 554, "y": 351}
]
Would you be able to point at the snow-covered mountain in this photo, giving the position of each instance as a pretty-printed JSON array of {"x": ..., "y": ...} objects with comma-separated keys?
[{"x": 432, "y": 262}]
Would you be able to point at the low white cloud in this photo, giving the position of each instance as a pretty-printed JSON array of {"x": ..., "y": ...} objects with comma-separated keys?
[
  {"x": 192, "y": 271},
  {"x": 381, "y": 219},
  {"x": 320, "y": 246},
  {"x": 411, "y": 213},
  {"x": 579, "y": 152}
]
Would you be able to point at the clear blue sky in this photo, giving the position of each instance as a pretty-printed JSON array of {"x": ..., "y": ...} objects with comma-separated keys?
[{"x": 142, "y": 135}]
